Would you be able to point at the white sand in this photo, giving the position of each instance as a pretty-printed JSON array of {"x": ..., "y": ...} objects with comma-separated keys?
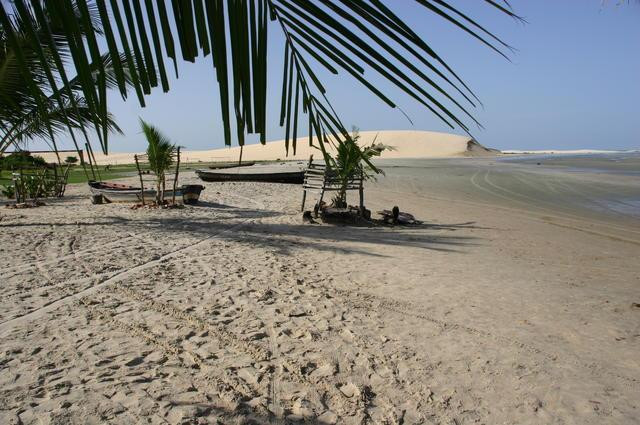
[
  {"x": 408, "y": 144},
  {"x": 236, "y": 310}
]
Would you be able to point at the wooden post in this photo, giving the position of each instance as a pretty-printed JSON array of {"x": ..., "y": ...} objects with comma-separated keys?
[
  {"x": 55, "y": 180},
  {"x": 304, "y": 190},
  {"x": 361, "y": 190},
  {"x": 175, "y": 179},
  {"x": 65, "y": 178},
  {"x": 164, "y": 180},
  {"x": 240, "y": 160},
  {"x": 320, "y": 200},
  {"x": 21, "y": 195},
  {"x": 135, "y": 157},
  {"x": 40, "y": 188}
]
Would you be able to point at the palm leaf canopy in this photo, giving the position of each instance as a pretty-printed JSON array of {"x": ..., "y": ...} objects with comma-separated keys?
[
  {"x": 160, "y": 150},
  {"x": 37, "y": 101},
  {"x": 354, "y": 37}
]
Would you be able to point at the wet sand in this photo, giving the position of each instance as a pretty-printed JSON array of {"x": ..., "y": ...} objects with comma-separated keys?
[{"x": 515, "y": 302}]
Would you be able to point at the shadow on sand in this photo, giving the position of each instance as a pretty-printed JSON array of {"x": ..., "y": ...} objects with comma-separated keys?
[
  {"x": 287, "y": 237},
  {"x": 245, "y": 416},
  {"x": 243, "y": 225}
]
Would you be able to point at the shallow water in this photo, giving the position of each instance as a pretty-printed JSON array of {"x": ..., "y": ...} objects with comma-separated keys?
[
  {"x": 603, "y": 187},
  {"x": 625, "y": 163}
]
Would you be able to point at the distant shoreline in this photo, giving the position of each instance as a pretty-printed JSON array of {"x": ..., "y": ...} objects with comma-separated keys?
[{"x": 565, "y": 152}]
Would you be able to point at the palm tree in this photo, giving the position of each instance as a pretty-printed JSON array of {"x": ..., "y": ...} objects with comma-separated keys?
[
  {"x": 160, "y": 154},
  {"x": 352, "y": 160},
  {"x": 353, "y": 37},
  {"x": 40, "y": 103}
]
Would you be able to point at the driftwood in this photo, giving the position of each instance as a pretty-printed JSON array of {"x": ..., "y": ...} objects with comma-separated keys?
[
  {"x": 355, "y": 215},
  {"x": 307, "y": 218},
  {"x": 166, "y": 205},
  {"x": 394, "y": 216},
  {"x": 349, "y": 215},
  {"x": 29, "y": 204}
]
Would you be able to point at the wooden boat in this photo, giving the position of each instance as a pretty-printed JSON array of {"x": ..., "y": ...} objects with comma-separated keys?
[
  {"x": 116, "y": 192},
  {"x": 223, "y": 165},
  {"x": 292, "y": 174}
]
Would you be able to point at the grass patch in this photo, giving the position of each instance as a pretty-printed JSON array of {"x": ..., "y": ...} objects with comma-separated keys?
[
  {"x": 76, "y": 174},
  {"x": 114, "y": 172}
]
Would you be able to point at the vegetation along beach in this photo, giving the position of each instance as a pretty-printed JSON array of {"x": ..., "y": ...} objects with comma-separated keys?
[{"x": 253, "y": 257}]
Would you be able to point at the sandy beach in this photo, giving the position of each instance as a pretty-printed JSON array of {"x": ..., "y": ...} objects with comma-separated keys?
[
  {"x": 453, "y": 238},
  {"x": 516, "y": 301}
]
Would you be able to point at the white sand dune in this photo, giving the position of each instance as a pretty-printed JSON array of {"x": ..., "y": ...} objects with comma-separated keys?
[{"x": 407, "y": 144}]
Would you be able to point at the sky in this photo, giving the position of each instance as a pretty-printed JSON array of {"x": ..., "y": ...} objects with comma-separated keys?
[{"x": 572, "y": 83}]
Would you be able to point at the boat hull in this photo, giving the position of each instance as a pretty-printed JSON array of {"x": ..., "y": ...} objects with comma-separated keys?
[
  {"x": 114, "y": 192},
  {"x": 223, "y": 165},
  {"x": 290, "y": 177}
]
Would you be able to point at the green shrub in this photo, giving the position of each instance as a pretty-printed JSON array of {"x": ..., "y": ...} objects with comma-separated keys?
[
  {"x": 8, "y": 190},
  {"x": 23, "y": 159}
]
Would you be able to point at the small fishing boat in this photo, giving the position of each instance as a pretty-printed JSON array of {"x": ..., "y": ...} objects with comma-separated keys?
[
  {"x": 116, "y": 192},
  {"x": 223, "y": 165},
  {"x": 281, "y": 173}
]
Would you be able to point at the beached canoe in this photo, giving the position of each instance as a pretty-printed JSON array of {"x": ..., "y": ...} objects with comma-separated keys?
[
  {"x": 293, "y": 174},
  {"x": 224, "y": 165},
  {"x": 116, "y": 192}
]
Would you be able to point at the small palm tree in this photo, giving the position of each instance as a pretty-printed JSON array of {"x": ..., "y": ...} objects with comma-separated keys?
[
  {"x": 352, "y": 160},
  {"x": 160, "y": 153}
]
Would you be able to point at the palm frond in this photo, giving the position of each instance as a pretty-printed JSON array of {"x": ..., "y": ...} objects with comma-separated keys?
[
  {"x": 35, "y": 125},
  {"x": 350, "y": 37}
]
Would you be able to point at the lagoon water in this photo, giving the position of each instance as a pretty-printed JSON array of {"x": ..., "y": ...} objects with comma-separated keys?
[
  {"x": 601, "y": 187},
  {"x": 625, "y": 163}
]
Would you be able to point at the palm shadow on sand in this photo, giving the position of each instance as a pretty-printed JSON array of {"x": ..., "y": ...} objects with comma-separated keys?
[
  {"x": 245, "y": 416},
  {"x": 244, "y": 226},
  {"x": 288, "y": 237}
]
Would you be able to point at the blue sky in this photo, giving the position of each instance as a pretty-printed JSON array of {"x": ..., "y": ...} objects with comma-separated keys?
[{"x": 574, "y": 82}]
